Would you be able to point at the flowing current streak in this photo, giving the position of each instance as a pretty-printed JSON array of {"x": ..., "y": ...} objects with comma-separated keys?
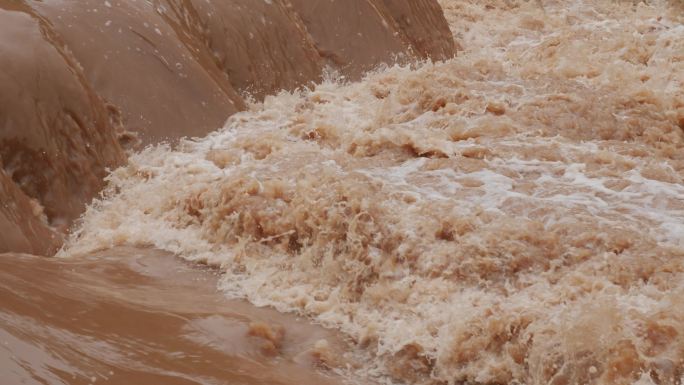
[{"x": 513, "y": 215}]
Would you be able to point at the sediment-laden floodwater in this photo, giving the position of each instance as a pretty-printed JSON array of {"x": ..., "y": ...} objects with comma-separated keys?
[
  {"x": 514, "y": 215},
  {"x": 135, "y": 316}
]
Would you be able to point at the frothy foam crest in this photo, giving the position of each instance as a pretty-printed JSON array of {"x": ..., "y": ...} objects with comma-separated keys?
[{"x": 513, "y": 215}]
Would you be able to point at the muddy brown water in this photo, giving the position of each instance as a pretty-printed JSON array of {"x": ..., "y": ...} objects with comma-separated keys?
[
  {"x": 83, "y": 81},
  {"x": 134, "y": 316},
  {"x": 512, "y": 215},
  {"x": 84, "y": 84}
]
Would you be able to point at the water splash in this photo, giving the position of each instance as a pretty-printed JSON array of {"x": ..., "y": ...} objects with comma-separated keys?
[{"x": 513, "y": 215}]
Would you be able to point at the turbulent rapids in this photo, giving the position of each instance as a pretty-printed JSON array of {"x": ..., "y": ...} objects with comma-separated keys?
[{"x": 513, "y": 215}]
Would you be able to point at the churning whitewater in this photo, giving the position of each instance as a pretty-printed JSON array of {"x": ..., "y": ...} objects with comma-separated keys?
[{"x": 514, "y": 215}]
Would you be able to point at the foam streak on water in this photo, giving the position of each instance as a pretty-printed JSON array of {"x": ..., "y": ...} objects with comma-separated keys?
[{"x": 513, "y": 215}]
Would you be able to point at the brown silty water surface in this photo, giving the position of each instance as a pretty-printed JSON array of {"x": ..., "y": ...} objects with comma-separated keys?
[
  {"x": 514, "y": 215},
  {"x": 132, "y": 316}
]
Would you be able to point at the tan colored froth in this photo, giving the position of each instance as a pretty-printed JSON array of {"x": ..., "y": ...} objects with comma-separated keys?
[
  {"x": 512, "y": 215},
  {"x": 84, "y": 80}
]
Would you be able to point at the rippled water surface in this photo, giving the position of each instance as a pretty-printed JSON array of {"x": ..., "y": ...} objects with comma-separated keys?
[{"x": 132, "y": 316}]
